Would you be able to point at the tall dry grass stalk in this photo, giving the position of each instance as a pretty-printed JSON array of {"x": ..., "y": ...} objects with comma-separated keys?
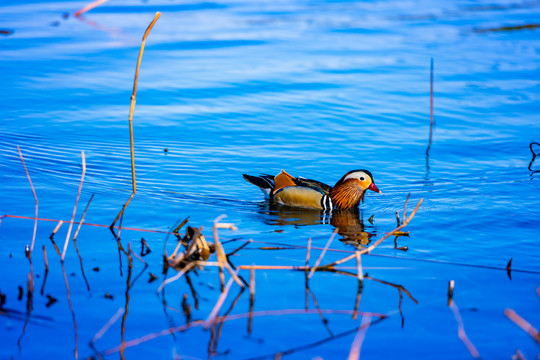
[
  {"x": 322, "y": 253},
  {"x": 430, "y": 106},
  {"x": 131, "y": 109},
  {"x": 35, "y": 198},
  {"x": 75, "y": 207}
]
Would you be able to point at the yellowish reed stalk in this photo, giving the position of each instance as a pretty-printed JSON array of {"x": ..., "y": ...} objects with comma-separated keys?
[
  {"x": 82, "y": 218},
  {"x": 35, "y": 198},
  {"x": 75, "y": 207},
  {"x": 131, "y": 109}
]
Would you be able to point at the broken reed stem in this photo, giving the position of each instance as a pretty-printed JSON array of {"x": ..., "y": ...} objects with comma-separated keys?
[
  {"x": 375, "y": 244},
  {"x": 75, "y": 207},
  {"x": 308, "y": 252},
  {"x": 175, "y": 231},
  {"x": 359, "y": 266},
  {"x": 135, "y": 254},
  {"x": 131, "y": 109},
  {"x": 220, "y": 252},
  {"x": 356, "y": 346},
  {"x": 89, "y": 7},
  {"x": 177, "y": 276},
  {"x": 213, "y": 314},
  {"x": 82, "y": 218},
  {"x": 45, "y": 259},
  {"x": 322, "y": 253},
  {"x": 405, "y": 206},
  {"x": 56, "y": 228},
  {"x": 430, "y": 106},
  {"x": 109, "y": 323},
  {"x": 461, "y": 329},
  {"x": 35, "y": 198},
  {"x": 523, "y": 324}
]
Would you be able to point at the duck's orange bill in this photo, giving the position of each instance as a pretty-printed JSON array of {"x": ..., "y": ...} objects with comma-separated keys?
[{"x": 373, "y": 187}]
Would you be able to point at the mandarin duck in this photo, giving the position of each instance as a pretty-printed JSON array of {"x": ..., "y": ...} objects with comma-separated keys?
[{"x": 311, "y": 194}]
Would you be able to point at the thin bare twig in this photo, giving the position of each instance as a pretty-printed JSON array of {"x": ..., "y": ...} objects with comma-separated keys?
[
  {"x": 132, "y": 107},
  {"x": 75, "y": 207},
  {"x": 35, "y": 198},
  {"x": 322, "y": 253},
  {"x": 82, "y": 218},
  {"x": 109, "y": 323},
  {"x": 461, "y": 329}
]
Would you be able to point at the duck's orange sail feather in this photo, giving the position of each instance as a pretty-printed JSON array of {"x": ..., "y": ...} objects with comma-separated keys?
[{"x": 283, "y": 179}]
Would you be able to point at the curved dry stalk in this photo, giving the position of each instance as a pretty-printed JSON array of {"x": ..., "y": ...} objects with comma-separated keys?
[
  {"x": 35, "y": 198},
  {"x": 75, "y": 207},
  {"x": 131, "y": 109},
  {"x": 322, "y": 253}
]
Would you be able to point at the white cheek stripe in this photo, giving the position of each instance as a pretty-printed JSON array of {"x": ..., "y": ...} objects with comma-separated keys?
[{"x": 356, "y": 175}]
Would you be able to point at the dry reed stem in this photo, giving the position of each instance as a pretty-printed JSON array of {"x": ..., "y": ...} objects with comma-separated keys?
[
  {"x": 461, "y": 329},
  {"x": 35, "y": 198},
  {"x": 131, "y": 109},
  {"x": 405, "y": 206},
  {"x": 175, "y": 231},
  {"x": 220, "y": 252},
  {"x": 82, "y": 218},
  {"x": 523, "y": 324},
  {"x": 45, "y": 259},
  {"x": 308, "y": 252},
  {"x": 89, "y": 7},
  {"x": 72, "y": 312},
  {"x": 106, "y": 327},
  {"x": 75, "y": 207},
  {"x": 134, "y": 253},
  {"x": 375, "y": 244},
  {"x": 213, "y": 314},
  {"x": 430, "y": 106},
  {"x": 450, "y": 292},
  {"x": 356, "y": 346},
  {"x": 177, "y": 276},
  {"x": 56, "y": 228},
  {"x": 359, "y": 267},
  {"x": 322, "y": 253}
]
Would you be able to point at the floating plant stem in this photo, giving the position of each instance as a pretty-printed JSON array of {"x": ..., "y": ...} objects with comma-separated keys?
[
  {"x": 132, "y": 107},
  {"x": 322, "y": 253}
]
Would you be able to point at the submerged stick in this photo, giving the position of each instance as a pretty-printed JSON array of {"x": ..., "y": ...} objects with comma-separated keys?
[
  {"x": 106, "y": 327},
  {"x": 35, "y": 198},
  {"x": 132, "y": 107},
  {"x": 75, "y": 207},
  {"x": 523, "y": 324},
  {"x": 82, "y": 218},
  {"x": 461, "y": 329},
  {"x": 354, "y": 354}
]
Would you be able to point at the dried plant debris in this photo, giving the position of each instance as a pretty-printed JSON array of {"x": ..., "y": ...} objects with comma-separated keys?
[{"x": 197, "y": 249}]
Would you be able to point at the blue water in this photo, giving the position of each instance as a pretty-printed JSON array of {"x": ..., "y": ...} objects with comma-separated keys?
[{"x": 317, "y": 88}]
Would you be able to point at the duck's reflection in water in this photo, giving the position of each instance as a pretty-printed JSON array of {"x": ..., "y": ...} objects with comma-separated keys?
[{"x": 350, "y": 224}]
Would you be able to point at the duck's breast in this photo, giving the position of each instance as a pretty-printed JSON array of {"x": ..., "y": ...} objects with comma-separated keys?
[{"x": 299, "y": 196}]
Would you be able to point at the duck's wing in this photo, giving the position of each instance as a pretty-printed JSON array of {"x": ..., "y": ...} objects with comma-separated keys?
[
  {"x": 299, "y": 196},
  {"x": 315, "y": 185}
]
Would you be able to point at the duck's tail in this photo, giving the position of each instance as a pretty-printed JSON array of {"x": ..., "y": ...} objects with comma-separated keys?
[{"x": 263, "y": 182}]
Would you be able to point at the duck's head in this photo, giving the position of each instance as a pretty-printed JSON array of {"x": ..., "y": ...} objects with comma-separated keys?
[{"x": 350, "y": 189}]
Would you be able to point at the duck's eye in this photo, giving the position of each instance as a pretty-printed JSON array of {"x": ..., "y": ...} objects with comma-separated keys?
[{"x": 362, "y": 178}]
